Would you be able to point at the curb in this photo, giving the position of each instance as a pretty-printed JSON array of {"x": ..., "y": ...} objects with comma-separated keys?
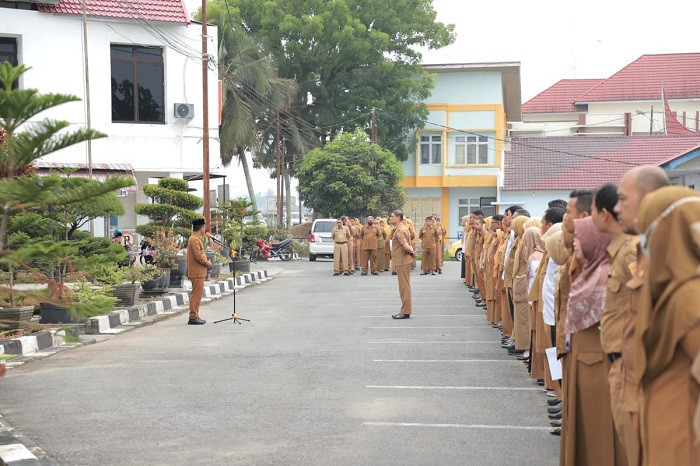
[{"x": 47, "y": 342}]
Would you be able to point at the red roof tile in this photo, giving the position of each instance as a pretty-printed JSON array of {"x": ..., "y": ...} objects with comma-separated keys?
[
  {"x": 641, "y": 79},
  {"x": 567, "y": 163},
  {"x": 560, "y": 97},
  {"x": 152, "y": 10}
]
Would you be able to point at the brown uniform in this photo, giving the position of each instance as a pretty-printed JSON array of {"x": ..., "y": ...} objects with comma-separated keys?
[
  {"x": 429, "y": 238},
  {"x": 358, "y": 245},
  {"x": 622, "y": 255},
  {"x": 381, "y": 247},
  {"x": 478, "y": 270},
  {"x": 468, "y": 252},
  {"x": 197, "y": 264},
  {"x": 351, "y": 247},
  {"x": 520, "y": 298},
  {"x": 370, "y": 236},
  {"x": 401, "y": 261},
  {"x": 341, "y": 236},
  {"x": 440, "y": 248},
  {"x": 387, "y": 248}
]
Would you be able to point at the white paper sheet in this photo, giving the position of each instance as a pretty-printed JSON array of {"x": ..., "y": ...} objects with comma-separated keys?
[{"x": 554, "y": 363}]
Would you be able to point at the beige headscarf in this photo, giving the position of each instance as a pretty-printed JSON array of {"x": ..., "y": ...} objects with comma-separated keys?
[
  {"x": 533, "y": 246},
  {"x": 518, "y": 226}
]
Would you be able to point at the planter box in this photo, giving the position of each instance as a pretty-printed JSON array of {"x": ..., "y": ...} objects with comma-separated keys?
[
  {"x": 215, "y": 270},
  {"x": 15, "y": 318},
  {"x": 53, "y": 314},
  {"x": 159, "y": 284},
  {"x": 239, "y": 266},
  {"x": 176, "y": 275},
  {"x": 127, "y": 293}
]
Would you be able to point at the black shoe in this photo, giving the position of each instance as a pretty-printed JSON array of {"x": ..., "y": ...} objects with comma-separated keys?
[
  {"x": 555, "y": 416},
  {"x": 375, "y": 273},
  {"x": 540, "y": 382},
  {"x": 556, "y": 432},
  {"x": 555, "y": 409},
  {"x": 335, "y": 274},
  {"x": 401, "y": 316},
  {"x": 483, "y": 306},
  {"x": 363, "y": 273},
  {"x": 506, "y": 344},
  {"x": 393, "y": 273},
  {"x": 510, "y": 347},
  {"x": 347, "y": 273},
  {"x": 516, "y": 352},
  {"x": 196, "y": 321},
  {"x": 432, "y": 273},
  {"x": 424, "y": 273},
  {"x": 553, "y": 402},
  {"x": 555, "y": 423},
  {"x": 523, "y": 358},
  {"x": 439, "y": 271}
]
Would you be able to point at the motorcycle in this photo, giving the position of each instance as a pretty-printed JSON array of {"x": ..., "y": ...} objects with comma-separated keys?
[{"x": 264, "y": 250}]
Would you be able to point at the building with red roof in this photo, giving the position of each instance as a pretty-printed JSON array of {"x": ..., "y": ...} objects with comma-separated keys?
[{"x": 145, "y": 82}]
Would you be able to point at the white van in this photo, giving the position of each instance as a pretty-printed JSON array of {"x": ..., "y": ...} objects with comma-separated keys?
[{"x": 320, "y": 241}]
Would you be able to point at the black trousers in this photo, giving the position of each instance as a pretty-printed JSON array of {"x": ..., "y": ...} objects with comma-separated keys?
[{"x": 464, "y": 267}]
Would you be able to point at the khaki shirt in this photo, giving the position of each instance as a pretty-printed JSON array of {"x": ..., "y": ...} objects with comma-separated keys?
[
  {"x": 471, "y": 240},
  {"x": 197, "y": 261},
  {"x": 510, "y": 262},
  {"x": 622, "y": 252},
  {"x": 370, "y": 236},
  {"x": 400, "y": 238},
  {"x": 340, "y": 234},
  {"x": 429, "y": 237}
]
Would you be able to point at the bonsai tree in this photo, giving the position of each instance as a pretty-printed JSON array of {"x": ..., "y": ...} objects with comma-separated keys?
[
  {"x": 172, "y": 208},
  {"x": 234, "y": 233},
  {"x": 22, "y": 141}
]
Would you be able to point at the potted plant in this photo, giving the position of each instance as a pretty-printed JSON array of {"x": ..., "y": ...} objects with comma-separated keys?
[{"x": 125, "y": 281}]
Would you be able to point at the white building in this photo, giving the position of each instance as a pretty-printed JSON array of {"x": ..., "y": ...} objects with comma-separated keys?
[{"x": 150, "y": 46}]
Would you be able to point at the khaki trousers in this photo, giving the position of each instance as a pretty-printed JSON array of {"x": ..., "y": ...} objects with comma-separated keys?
[
  {"x": 196, "y": 296},
  {"x": 340, "y": 257},
  {"x": 506, "y": 315},
  {"x": 380, "y": 258},
  {"x": 427, "y": 262},
  {"x": 626, "y": 421},
  {"x": 403, "y": 272},
  {"x": 351, "y": 255},
  {"x": 369, "y": 257},
  {"x": 468, "y": 277},
  {"x": 522, "y": 325},
  {"x": 358, "y": 254},
  {"x": 387, "y": 258}
]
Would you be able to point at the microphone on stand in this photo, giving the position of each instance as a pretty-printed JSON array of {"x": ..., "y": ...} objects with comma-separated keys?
[{"x": 208, "y": 235}]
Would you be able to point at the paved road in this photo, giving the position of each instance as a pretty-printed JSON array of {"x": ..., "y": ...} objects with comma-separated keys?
[{"x": 322, "y": 375}]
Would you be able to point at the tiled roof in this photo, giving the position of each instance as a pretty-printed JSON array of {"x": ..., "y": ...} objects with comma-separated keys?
[
  {"x": 100, "y": 171},
  {"x": 641, "y": 80},
  {"x": 567, "y": 163},
  {"x": 560, "y": 97},
  {"x": 152, "y": 10}
]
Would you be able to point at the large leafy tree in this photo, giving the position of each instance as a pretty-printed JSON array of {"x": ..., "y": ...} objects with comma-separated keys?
[
  {"x": 351, "y": 176},
  {"x": 347, "y": 57}
]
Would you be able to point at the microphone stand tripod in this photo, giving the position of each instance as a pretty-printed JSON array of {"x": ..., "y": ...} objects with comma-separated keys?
[{"x": 234, "y": 317}]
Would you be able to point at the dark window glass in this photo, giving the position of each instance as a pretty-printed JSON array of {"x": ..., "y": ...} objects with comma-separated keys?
[
  {"x": 8, "y": 52},
  {"x": 137, "y": 84},
  {"x": 325, "y": 227}
]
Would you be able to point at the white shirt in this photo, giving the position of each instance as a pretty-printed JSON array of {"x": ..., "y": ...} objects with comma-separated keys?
[
  {"x": 509, "y": 246},
  {"x": 531, "y": 273},
  {"x": 548, "y": 293}
]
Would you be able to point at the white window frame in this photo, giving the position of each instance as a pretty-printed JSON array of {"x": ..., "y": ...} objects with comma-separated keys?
[
  {"x": 433, "y": 142},
  {"x": 469, "y": 203},
  {"x": 474, "y": 143}
]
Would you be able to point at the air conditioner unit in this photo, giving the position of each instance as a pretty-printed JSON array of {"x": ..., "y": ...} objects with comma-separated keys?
[{"x": 184, "y": 111}]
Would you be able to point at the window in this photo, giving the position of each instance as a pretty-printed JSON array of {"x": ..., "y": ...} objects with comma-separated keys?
[
  {"x": 8, "y": 52},
  {"x": 431, "y": 149},
  {"x": 471, "y": 150},
  {"x": 137, "y": 84},
  {"x": 467, "y": 205}
]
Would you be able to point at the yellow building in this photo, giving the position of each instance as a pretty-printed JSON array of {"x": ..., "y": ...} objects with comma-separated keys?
[{"x": 457, "y": 166}]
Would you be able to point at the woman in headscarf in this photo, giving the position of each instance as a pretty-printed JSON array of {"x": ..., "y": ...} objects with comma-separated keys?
[
  {"x": 486, "y": 272},
  {"x": 534, "y": 250},
  {"x": 492, "y": 269},
  {"x": 520, "y": 304},
  {"x": 502, "y": 297},
  {"x": 668, "y": 327},
  {"x": 590, "y": 432}
]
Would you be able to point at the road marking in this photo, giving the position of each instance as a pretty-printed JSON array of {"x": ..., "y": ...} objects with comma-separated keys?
[
  {"x": 428, "y": 387},
  {"x": 457, "y": 426},
  {"x": 430, "y": 342},
  {"x": 464, "y": 326},
  {"x": 445, "y": 360},
  {"x": 429, "y": 315}
]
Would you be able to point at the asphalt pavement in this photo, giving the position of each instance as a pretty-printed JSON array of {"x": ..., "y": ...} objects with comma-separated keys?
[{"x": 321, "y": 375}]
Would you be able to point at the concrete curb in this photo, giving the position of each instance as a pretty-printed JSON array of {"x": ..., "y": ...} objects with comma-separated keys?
[{"x": 47, "y": 342}]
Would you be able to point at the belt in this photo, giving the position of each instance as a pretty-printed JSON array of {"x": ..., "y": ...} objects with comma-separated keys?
[
  {"x": 613, "y": 356},
  {"x": 340, "y": 242}
]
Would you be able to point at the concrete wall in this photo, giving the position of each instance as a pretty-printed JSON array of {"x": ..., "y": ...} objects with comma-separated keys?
[
  {"x": 462, "y": 87},
  {"x": 534, "y": 201},
  {"x": 52, "y": 45}
]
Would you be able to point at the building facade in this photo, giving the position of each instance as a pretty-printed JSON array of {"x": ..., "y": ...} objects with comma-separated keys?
[
  {"x": 144, "y": 59},
  {"x": 457, "y": 164}
]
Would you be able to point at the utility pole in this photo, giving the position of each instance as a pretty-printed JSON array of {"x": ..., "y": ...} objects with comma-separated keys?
[
  {"x": 651, "y": 121},
  {"x": 373, "y": 133},
  {"x": 205, "y": 119},
  {"x": 278, "y": 165},
  {"x": 88, "y": 121}
]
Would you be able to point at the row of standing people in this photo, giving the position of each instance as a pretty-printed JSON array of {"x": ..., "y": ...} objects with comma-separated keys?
[
  {"x": 619, "y": 309},
  {"x": 367, "y": 248}
]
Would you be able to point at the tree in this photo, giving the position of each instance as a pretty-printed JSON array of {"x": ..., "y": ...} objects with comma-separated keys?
[
  {"x": 351, "y": 176},
  {"x": 173, "y": 208},
  {"x": 349, "y": 56}
]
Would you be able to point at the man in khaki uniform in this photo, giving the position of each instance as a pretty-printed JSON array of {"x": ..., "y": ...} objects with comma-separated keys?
[
  {"x": 402, "y": 255},
  {"x": 440, "y": 247},
  {"x": 429, "y": 237},
  {"x": 622, "y": 255},
  {"x": 347, "y": 222},
  {"x": 340, "y": 235},
  {"x": 634, "y": 185},
  {"x": 381, "y": 245},
  {"x": 387, "y": 249},
  {"x": 358, "y": 242},
  {"x": 370, "y": 234},
  {"x": 197, "y": 264},
  {"x": 414, "y": 238},
  {"x": 469, "y": 248}
]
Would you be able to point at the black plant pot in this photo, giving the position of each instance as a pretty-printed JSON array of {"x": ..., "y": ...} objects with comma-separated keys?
[
  {"x": 127, "y": 293},
  {"x": 215, "y": 270},
  {"x": 54, "y": 314},
  {"x": 176, "y": 275},
  {"x": 158, "y": 284}
]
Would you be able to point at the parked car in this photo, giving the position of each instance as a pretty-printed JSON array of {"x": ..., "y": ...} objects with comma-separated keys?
[
  {"x": 455, "y": 250},
  {"x": 320, "y": 241},
  {"x": 258, "y": 217}
]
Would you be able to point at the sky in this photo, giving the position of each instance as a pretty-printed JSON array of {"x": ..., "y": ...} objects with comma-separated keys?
[{"x": 552, "y": 40}]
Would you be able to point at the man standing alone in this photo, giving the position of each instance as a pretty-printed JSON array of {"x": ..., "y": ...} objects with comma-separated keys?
[
  {"x": 402, "y": 255},
  {"x": 197, "y": 264}
]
